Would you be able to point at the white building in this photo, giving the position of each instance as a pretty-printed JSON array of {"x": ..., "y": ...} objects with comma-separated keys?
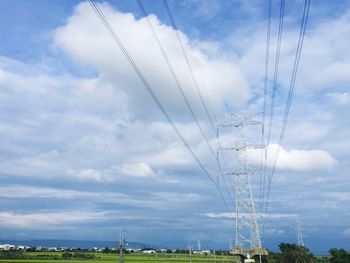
[
  {"x": 7, "y": 247},
  {"x": 150, "y": 251}
]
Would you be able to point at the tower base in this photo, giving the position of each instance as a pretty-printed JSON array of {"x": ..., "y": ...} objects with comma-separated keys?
[{"x": 249, "y": 253}]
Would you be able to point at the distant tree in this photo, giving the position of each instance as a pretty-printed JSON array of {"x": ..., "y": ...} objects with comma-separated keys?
[
  {"x": 125, "y": 251},
  {"x": 67, "y": 255},
  {"x": 31, "y": 249},
  {"x": 292, "y": 253},
  {"x": 106, "y": 250},
  {"x": 272, "y": 258},
  {"x": 11, "y": 255},
  {"x": 339, "y": 255}
]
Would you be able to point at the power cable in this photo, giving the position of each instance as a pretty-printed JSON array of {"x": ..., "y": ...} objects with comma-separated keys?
[
  {"x": 291, "y": 90},
  {"x": 149, "y": 89},
  {"x": 274, "y": 85},
  {"x": 195, "y": 82},
  {"x": 267, "y": 60},
  {"x": 180, "y": 88}
]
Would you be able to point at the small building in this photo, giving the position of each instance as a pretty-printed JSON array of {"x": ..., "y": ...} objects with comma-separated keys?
[
  {"x": 149, "y": 251},
  {"x": 7, "y": 247}
]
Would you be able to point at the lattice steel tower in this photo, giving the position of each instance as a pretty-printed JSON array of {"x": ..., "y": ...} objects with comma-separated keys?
[
  {"x": 299, "y": 234},
  {"x": 247, "y": 238}
]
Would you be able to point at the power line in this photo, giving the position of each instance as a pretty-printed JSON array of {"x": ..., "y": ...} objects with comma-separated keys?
[
  {"x": 180, "y": 88},
  {"x": 275, "y": 75},
  {"x": 274, "y": 85},
  {"x": 291, "y": 90},
  {"x": 267, "y": 60},
  {"x": 172, "y": 71},
  {"x": 195, "y": 82},
  {"x": 149, "y": 89}
]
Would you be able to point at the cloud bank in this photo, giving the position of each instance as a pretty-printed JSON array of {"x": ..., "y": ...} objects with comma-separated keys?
[
  {"x": 85, "y": 39},
  {"x": 293, "y": 160}
]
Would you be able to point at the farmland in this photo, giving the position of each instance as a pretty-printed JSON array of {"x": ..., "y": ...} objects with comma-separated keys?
[{"x": 58, "y": 257}]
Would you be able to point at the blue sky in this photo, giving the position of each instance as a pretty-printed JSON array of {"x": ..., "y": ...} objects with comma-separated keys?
[{"x": 85, "y": 151}]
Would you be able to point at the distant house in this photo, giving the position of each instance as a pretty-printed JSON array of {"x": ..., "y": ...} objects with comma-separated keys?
[
  {"x": 7, "y": 247},
  {"x": 133, "y": 250},
  {"x": 20, "y": 248},
  {"x": 149, "y": 251},
  {"x": 202, "y": 252}
]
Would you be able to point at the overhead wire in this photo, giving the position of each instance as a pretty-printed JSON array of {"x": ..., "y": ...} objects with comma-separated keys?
[
  {"x": 274, "y": 87},
  {"x": 179, "y": 86},
  {"x": 151, "y": 92},
  {"x": 267, "y": 61},
  {"x": 290, "y": 92},
  {"x": 277, "y": 58},
  {"x": 174, "y": 76},
  {"x": 189, "y": 65},
  {"x": 198, "y": 89}
]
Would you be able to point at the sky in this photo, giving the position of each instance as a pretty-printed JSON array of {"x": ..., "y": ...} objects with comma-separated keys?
[{"x": 85, "y": 151}]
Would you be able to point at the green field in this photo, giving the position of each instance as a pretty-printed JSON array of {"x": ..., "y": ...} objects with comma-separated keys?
[{"x": 48, "y": 257}]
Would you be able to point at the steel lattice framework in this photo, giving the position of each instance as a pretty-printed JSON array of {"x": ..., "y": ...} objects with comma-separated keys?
[
  {"x": 246, "y": 226},
  {"x": 299, "y": 234}
]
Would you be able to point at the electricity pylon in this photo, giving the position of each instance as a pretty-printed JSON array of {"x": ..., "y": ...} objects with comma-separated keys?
[
  {"x": 299, "y": 234},
  {"x": 247, "y": 238},
  {"x": 121, "y": 246}
]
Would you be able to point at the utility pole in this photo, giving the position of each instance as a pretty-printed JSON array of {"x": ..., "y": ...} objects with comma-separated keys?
[
  {"x": 190, "y": 252},
  {"x": 247, "y": 238}
]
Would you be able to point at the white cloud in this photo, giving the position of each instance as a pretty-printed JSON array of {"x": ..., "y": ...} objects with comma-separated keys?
[
  {"x": 91, "y": 175},
  {"x": 294, "y": 160},
  {"x": 40, "y": 219},
  {"x": 324, "y": 64},
  {"x": 85, "y": 39},
  {"x": 111, "y": 174},
  {"x": 341, "y": 98},
  {"x": 135, "y": 169},
  {"x": 347, "y": 232},
  {"x": 52, "y": 123}
]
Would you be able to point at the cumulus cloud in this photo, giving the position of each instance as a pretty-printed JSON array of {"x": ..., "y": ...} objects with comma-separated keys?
[
  {"x": 117, "y": 171},
  {"x": 135, "y": 169},
  {"x": 98, "y": 130},
  {"x": 85, "y": 39},
  {"x": 324, "y": 64},
  {"x": 91, "y": 175},
  {"x": 294, "y": 160}
]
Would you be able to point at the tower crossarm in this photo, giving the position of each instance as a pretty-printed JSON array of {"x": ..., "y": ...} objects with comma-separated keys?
[
  {"x": 239, "y": 146},
  {"x": 229, "y": 120}
]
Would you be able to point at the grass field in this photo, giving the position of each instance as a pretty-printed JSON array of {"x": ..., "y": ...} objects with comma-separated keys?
[{"x": 132, "y": 258}]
